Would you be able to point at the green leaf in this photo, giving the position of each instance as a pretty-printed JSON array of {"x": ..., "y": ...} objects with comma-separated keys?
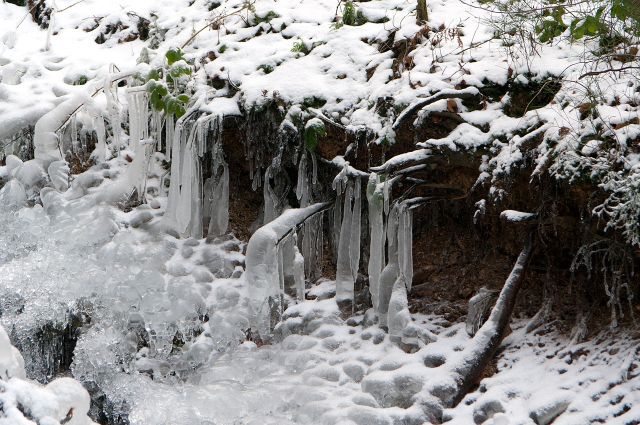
[
  {"x": 154, "y": 74},
  {"x": 179, "y": 70},
  {"x": 183, "y": 98},
  {"x": 349, "y": 14},
  {"x": 180, "y": 110},
  {"x": 173, "y": 56},
  {"x": 592, "y": 25},
  {"x": 313, "y": 131},
  {"x": 618, "y": 10},
  {"x": 170, "y": 105}
]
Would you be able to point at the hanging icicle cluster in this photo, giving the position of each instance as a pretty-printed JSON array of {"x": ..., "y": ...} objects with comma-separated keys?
[
  {"x": 389, "y": 281},
  {"x": 312, "y": 234},
  {"x": 216, "y": 188},
  {"x": 185, "y": 210},
  {"x": 348, "y": 235},
  {"x": 272, "y": 254},
  {"x": 139, "y": 141}
]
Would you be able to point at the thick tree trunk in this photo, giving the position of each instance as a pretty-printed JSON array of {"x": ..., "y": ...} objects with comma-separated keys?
[{"x": 486, "y": 341}]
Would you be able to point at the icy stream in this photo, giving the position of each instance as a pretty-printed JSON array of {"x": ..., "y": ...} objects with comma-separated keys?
[{"x": 160, "y": 324}]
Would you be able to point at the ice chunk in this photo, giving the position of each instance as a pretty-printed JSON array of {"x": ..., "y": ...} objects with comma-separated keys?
[
  {"x": 13, "y": 195},
  {"x": 45, "y": 139},
  {"x": 59, "y": 174},
  {"x": 11, "y": 361}
]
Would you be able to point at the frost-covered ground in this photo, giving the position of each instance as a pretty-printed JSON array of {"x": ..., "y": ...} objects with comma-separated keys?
[{"x": 162, "y": 320}]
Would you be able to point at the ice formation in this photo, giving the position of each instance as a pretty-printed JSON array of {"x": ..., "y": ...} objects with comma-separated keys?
[
  {"x": 377, "y": 239},
  {"x": 264, "y": 265},
  {"x": 45, "y": 139},
  {"x": 348, "y": 261},
  {"x": 139, "y": 141},
  {"x": 216, "y": 193}
]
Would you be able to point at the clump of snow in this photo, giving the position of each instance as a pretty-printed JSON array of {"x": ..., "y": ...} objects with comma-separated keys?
[{"x": 62, "y": 401}]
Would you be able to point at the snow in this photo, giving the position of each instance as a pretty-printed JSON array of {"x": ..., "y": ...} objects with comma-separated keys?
[
  {"x": 63, "y": 400},
  {"x": 517, "y": 216},
  {"x": 149, "y": 272}
]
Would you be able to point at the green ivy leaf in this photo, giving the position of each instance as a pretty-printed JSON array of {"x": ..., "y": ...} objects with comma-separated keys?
[
  {"x": 179, "y": 71},
  {"x": 174, "y": 55},
  {"x": 154, "y": 74},
  {"x": 313, "y": 131}
]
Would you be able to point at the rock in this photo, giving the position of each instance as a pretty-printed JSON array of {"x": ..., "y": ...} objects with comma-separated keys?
[
  {"x": 201, "y": 275},
  {"x": 354, "y": 371},
  {"x": 139, "y": 218},
  {"x": 186, "y": 251},
  {"x": 434, "y": 360},
  {"x": 369, "y": 318},
  {"x": 392, "y": 390},
  {"x": 486, "y": 410},
  {"x": 546, "y": 412},
  {"x": 237, "y": 273},
  {"x": 191, "y": 242}
]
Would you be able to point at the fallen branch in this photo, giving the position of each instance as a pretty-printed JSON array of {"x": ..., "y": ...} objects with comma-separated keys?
[
  {"x": 466, "y": 93},
  {"x": 481, "y": 349}
]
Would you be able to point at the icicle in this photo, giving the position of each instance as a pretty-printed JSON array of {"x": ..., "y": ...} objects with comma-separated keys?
[
  {"x": 139, "y": 138},
  {"x": 75, "y": 145},
  {"x": 174, "y": 187},
  {"x": 376, "y": 232},
  {"x": 337, "y": 223},
  {"x": 220, "y": 212},
  {"x": 319, "y": 248},
  {"x": 101, "y": 133},
  {"x": 298, "y": 273},
  {"x": 314, "y": 160},
  {"x": 157, "y": 121},
  {"x": 169, "y": 136},
  {"x": 354, "y": 244},
  {"x": 405, "y": 245},
  {"x": 391, "y": 271},
  {"x": 269, "y": 197},
  {"x": 188, "y": 182},
  {"x": 52, "y": 17},
  {"x": 255, "y": 183},
  {"x": 113, "y": 110},
  {"x": 398, "y": 316},
  {"x": 302, "y": 177},
  {"x": 344, "y": 273},
  {"x": 386, "y": 195},
  {"x": 280, "y": 271},
  {"x": 262, "y": 265},
  {"x": 309, "y": 245}
]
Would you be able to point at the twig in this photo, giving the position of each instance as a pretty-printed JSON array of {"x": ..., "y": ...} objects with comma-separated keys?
[
  {"x": 606, "y": 71},
  {"x": 70, "y": 6}
]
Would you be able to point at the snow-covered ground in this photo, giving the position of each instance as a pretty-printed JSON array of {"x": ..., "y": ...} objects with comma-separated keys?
[{"x": 78, "y": 255}]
